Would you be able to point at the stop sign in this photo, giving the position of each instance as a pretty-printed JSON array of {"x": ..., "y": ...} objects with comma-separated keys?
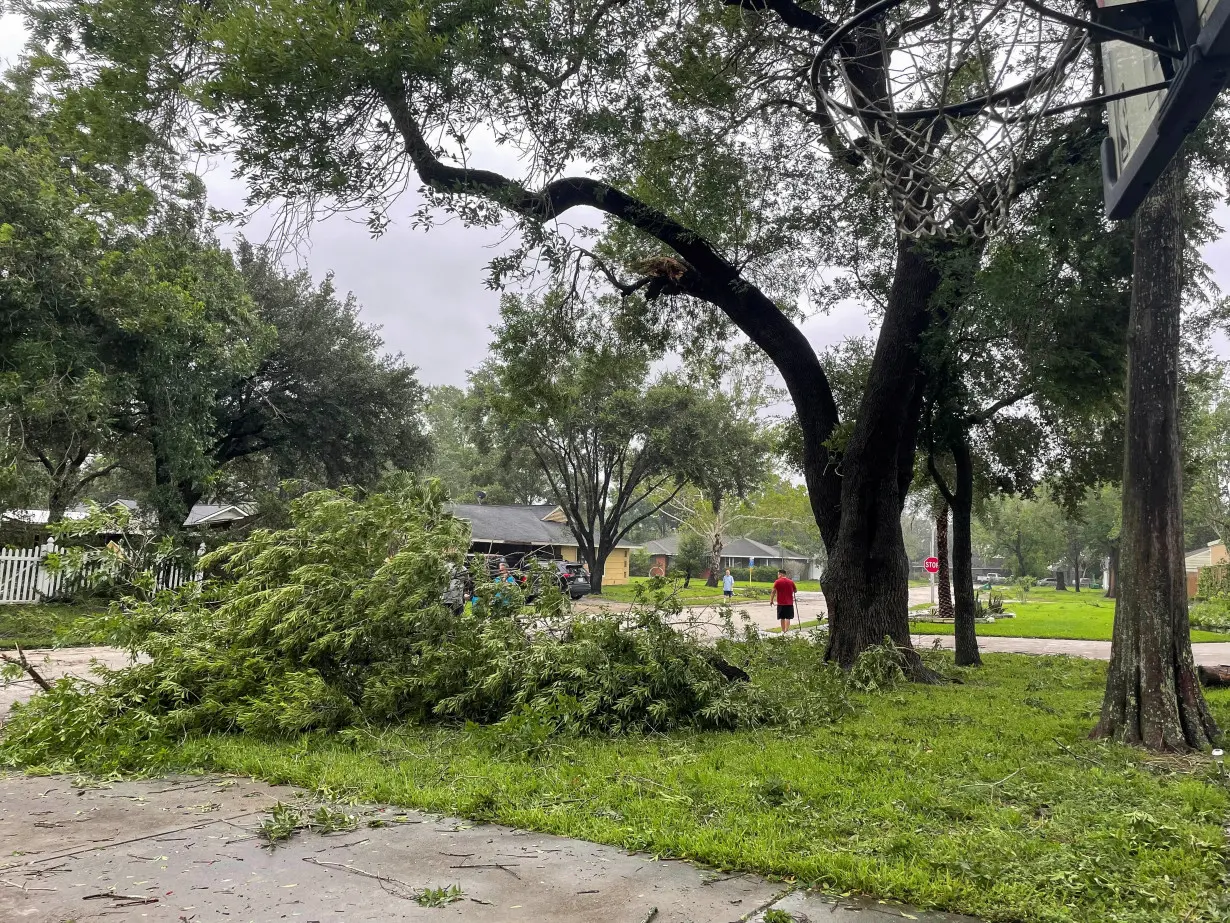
[{"x": 931, "y": 565}]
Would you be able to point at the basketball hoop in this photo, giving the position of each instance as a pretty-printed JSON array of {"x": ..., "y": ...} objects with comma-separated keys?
[{"x": 947, "y": 103}]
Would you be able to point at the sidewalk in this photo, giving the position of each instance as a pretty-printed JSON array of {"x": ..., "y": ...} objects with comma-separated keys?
[
  {"x": 185, "y": 850},
  {"x": 1208, "y": 653}
]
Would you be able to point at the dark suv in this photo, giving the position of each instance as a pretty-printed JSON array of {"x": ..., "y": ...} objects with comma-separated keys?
[{"x": 573, "y": 578}]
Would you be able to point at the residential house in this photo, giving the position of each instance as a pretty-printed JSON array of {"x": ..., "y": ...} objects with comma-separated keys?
[
  {"x": 736, "y": 552},
  {"x": 203, "y": 516},
  {"x": 533, "y": 529},
  {"x": 1213, "y": 553}
]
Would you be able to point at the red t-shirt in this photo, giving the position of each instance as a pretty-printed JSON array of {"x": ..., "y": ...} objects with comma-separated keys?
[{"x": 784, "y": 587}]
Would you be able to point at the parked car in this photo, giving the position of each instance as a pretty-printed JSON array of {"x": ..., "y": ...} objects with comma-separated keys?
[
  {"x": 1046, "y": 581},
  {"x": 460, "y": 589},
  {"x": 573, "y": 578}
]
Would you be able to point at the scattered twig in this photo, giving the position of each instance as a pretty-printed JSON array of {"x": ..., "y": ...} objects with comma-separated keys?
[
  {"x": 488, "y": 865},
  {"x": 183, "y": 787},
  {"x": 591, "y": 891},
  {"x": 993, "y": 784},
  {"x": 1071, "y": 752},
  {"x": 22, "y": 662},
  {"x": 133, "y": 899},
  {"x": 383, "y": 879},
  {"x": 653, "y": 912},
  {"x": 23, "y": 886}
]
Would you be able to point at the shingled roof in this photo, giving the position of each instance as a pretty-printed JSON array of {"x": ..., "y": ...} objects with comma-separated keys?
[
  {"x": 731, "y": 548},
  {"x": 521, "y": 524}
]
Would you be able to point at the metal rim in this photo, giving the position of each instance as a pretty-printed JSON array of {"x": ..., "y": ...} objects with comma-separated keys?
[{"x": 830, "y": 48}]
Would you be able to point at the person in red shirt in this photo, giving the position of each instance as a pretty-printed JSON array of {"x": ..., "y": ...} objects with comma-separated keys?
[{"x": 783, "y": 594}]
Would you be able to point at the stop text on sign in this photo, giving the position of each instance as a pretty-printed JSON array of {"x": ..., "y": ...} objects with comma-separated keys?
[{"x": 931, "y": 565}]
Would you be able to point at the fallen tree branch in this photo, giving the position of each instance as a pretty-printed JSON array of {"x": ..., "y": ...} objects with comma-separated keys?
[
  {"x": 25, "y": 664},
  {"x": 383, "y": 879}
]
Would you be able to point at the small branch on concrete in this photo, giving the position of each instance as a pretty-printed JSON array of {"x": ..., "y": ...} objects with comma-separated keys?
[
  {"x": 22, "y": 662},
  {"x": 488, "y": 865},
  {"x": 653, "y": 912},
  {"x": 411, "y": 891},
  {"x": 123, "y": 900}
]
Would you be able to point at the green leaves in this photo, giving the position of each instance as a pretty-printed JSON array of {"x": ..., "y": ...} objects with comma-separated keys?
[{"x": 339, "y": 620}]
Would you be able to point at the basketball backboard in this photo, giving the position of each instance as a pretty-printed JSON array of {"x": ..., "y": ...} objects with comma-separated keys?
[{"x": 1148, "y": 128}]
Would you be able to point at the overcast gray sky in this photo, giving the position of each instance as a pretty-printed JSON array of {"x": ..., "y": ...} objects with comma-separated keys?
[{"x": 425, "y": 288}]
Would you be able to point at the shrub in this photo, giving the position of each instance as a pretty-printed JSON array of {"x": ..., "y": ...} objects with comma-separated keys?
[
  {"x": 638, "y": 563},
  {"x": 339, "y": 620},
  {"x": 763, "y": 574},
  {"x": 1214, "y": 582},
  {"x": 740, "y": 574},
  {"x": 1211, "y": 615}
]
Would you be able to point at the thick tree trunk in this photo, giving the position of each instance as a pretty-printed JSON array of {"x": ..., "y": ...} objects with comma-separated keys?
[
  {"x": 944, "y": 576},
  {"x": 173, "y": 497},
  {"x": 866, "y": 587},
  {"x": 964, "y": 628},
  {"x": 595, "y": 560},
  {"x": 1153, "y": 696},
  {"x": 1112, "y": 570},
  {"x": 1021, "y": 568},
  {"x": 1061, "y": 580},
  {"x": 58, "y": 501},
  {"x": 715, "y": 549}
]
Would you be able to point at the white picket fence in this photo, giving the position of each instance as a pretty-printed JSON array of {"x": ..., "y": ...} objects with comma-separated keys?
[{"x": 26, "y": 578}]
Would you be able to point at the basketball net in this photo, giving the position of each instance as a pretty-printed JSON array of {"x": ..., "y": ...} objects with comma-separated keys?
[{"x": 946, "y": 103}]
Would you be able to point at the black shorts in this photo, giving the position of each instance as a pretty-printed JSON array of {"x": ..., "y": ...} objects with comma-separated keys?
[
  {"x": 785, "y": 613},
  {"x": 728, "y": 593}
]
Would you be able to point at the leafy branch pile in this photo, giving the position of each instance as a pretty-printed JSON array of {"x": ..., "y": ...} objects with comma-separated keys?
[{"x": 340, "y": 621}]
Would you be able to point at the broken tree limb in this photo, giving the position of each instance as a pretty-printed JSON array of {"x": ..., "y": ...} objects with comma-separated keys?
[
  {"x": 25, "y": 664},
  {"x": 1213, "y": 676}
]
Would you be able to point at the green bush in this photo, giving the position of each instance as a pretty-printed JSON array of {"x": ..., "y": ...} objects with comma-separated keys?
[
  {"x": 1211, "y": 615},
  {"x": 338, "y": 620},
  {"x": 638, "y": 563},
  {"x": 763, "y": 574},
  {"x": 1214, "y": 582},
  {"x": 740, "y": 574}
]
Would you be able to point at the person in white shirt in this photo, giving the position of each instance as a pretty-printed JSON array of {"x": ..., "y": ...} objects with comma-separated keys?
[{"x": 728, "y": 585}]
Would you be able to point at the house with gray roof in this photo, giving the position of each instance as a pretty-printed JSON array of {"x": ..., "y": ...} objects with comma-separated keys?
[
  {"x": 736, "y": 552},
  {"x": 539, "y": 529}
]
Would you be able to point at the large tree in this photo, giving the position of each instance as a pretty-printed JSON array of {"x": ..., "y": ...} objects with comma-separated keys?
[
  {"x": 108, "y": 295},
  {"x": 328, "y": 100},
  {"x": 469, "y": 455},
  {"x": 1153, "y": 694},
  {"x": 326, "y": 403},
  {"x": 615, "y": 442}
]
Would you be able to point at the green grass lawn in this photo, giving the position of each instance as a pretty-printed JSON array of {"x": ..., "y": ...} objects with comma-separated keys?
[
  {"x": 40, "y": 625},
  {"x": 1081, "y": 616},
  {"x": 1087, "y": 620},
  {"x": 985, "y": 798},
  {"x": 626, "y": 592}
]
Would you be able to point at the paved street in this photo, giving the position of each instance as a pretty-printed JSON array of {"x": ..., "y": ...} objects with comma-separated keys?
[{"x": 51, "y": 665}]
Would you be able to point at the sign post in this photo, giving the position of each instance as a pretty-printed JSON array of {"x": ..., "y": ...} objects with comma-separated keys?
[{"x": 932, "y": 567}]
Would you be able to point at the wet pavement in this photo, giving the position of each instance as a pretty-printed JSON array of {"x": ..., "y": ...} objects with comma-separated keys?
[
  {"x": 186, "y": 850},
  {"x": 52, "y": 664}
]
